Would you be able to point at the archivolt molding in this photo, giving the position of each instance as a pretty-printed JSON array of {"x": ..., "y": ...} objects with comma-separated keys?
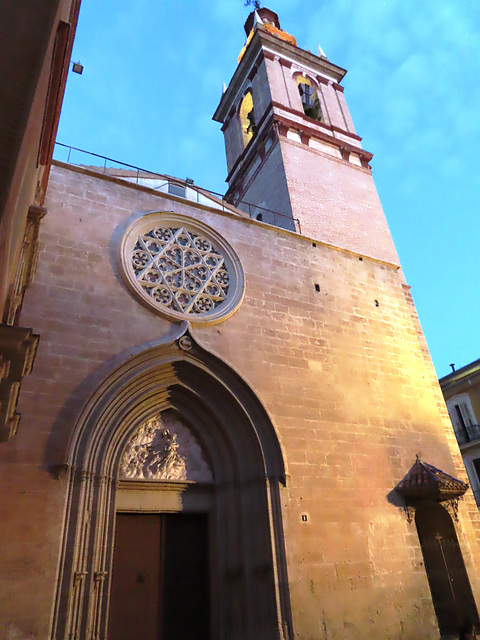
[
  {"x": 424, "y": 482},
  {"x": 143, "y": 384}
]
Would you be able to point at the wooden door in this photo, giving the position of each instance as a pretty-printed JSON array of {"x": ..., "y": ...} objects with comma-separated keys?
[
  {"x": 160, "y": 583},
  {"x": 449, "y": 584}
]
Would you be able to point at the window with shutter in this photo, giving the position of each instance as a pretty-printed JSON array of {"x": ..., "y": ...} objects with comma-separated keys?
[{"x": 463, "y": 418}]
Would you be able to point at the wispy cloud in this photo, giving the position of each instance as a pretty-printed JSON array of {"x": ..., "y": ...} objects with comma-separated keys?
[{"x": 152, "y": 80}]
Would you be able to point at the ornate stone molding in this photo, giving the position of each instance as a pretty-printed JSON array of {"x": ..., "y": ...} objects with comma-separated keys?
[
  {"x": 18, "y": 347},
  {"x": 185, "y": 343},
  {"x": 425, "y": 482},
  {"x": 198, "y": 386},
  {"x": 451, "y": 506},
  {"x": 27, "y": 264},
  {"x": 78, "y": 578},
  {"x": 99, "y": 576},
  {"x": 410, "y": 513},
  {"x": 163, "y": 448}
]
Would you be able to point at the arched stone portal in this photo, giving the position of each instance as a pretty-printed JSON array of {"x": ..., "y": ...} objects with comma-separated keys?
[{"x": 247, "y": 566}]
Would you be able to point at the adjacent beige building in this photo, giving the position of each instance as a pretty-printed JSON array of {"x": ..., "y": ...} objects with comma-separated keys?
[{"x": 461, "y": 390}]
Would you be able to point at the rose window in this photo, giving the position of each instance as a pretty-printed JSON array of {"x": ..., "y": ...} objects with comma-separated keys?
[{"x": 182, "y": 267}]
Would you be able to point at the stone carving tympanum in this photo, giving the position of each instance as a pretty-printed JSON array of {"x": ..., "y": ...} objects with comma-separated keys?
[{"x": 164, "y": 448}]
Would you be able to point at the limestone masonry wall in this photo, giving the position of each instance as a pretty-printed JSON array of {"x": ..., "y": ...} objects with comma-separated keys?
[
  {"x": 340, "y": 372},
  {"x": 319, "y": 185}
]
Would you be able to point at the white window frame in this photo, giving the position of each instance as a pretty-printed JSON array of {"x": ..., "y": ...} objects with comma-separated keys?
[{"x": 463, "y": 403}]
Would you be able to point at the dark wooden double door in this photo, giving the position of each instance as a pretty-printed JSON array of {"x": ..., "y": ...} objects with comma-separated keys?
[
  {"x": 160, "y": 583},
  {"x": 449, "y": 584}
]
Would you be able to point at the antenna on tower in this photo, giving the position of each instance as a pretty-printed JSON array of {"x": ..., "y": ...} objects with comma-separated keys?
[{"x": 255, "y": 3}]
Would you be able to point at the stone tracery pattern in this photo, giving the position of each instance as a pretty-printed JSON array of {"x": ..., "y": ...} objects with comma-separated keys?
[
  {"x": 163, "y": 448},
  {"x": 180, "y": 270}
]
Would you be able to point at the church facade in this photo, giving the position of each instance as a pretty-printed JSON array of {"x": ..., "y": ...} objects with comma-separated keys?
[{"x": 218, "y": 435}]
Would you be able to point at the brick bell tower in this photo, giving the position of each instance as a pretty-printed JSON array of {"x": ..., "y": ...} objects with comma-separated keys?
[{"x": 293, "y": 156}]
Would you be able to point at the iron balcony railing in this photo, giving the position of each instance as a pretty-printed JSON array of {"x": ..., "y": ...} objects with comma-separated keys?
[
  {"x": 468, "y": 434},
  {"x": 80, "y": 157},
  {"x": 476, "y": 494}
]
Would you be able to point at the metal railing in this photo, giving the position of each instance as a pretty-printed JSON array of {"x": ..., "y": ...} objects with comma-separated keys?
[
  {"x": 270, "y": 217},
  {"x": 476, "y": 495},
  {"x": 67, "y": 153},
  {"x": 468, "y": 434}
]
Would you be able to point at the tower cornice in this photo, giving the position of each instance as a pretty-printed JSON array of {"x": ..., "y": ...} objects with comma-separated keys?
[
  {"x": 296, "y": 55},
  {"x": 276, "y": 122},
  {"x": 265, "y": 45}
]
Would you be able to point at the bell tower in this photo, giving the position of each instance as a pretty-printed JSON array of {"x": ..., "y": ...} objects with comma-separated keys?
[{"x": 294, "y": 158}]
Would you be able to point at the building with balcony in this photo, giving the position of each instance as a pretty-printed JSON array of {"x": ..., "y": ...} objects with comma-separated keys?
[{"x": 461, "y": 390}]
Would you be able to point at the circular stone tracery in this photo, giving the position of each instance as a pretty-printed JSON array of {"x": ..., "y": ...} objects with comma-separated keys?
[{"x": 182, "y": 268}]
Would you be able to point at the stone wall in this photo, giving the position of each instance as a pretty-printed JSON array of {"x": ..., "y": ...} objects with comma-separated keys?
[
  {"x": 336, "y": 201},
  {"x": 340, "y": 371}
]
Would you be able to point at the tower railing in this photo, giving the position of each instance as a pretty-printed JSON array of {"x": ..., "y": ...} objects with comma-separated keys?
[{"x": 80, "y": 157}]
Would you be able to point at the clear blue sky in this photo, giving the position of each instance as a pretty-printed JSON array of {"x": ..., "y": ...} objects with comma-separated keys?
[{"x": 153, "y": 78}]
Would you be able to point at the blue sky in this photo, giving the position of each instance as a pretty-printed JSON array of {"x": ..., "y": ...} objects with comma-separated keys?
[{"x": 153, "y": 78}]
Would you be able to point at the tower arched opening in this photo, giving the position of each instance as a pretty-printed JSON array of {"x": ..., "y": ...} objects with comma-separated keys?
[
  {"x": 247, "y": 118},
  {"x": 309, "y": 97}
]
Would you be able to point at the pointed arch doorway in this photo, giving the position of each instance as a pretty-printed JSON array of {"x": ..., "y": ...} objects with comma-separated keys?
[{"x": 237, "y": 514}]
